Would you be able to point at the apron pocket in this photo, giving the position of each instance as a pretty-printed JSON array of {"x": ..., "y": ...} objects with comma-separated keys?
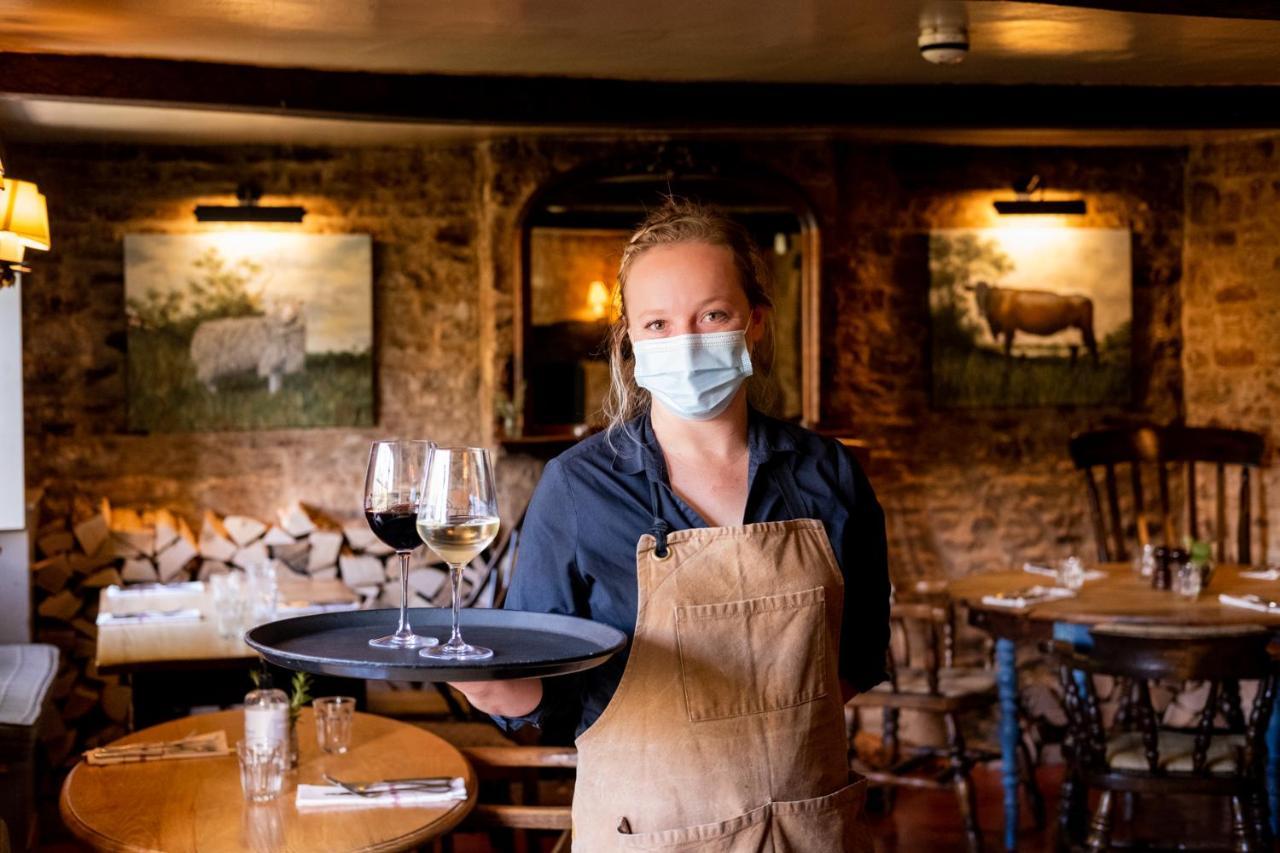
[
  {"x": 745, "y": 657},
  {"x": 825, "y": 824}
]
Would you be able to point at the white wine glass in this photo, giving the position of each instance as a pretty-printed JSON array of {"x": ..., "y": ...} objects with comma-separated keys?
[
  {"x": 458, "y": 518},
  {"x": 391, "y": 499}
]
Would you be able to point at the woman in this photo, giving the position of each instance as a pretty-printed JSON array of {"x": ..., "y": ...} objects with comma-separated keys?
[{"x": 744, "y": 556}]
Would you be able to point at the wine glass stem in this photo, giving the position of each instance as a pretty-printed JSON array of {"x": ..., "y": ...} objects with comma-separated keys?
[
  {"x": 455, "y": 578},
  {"x": 404, "y": 629}
]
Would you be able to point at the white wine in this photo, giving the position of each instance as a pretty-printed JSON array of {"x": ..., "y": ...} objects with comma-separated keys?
[{"x": 459, "y": 539}]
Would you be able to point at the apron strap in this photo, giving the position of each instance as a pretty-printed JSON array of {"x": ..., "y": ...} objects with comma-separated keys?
[{"x": 660, "y": 528}]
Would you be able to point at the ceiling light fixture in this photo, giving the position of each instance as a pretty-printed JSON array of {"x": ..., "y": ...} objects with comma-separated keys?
[
  {"x": 248, "y": 210},
  {"x": 1024, "y": 204}
]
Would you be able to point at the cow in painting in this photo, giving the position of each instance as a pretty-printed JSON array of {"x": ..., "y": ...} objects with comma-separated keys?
[{"x": 1034, "y": 312}]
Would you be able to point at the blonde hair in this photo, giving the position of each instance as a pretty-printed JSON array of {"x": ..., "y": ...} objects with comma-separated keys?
[{"x": 682, "y": 221}]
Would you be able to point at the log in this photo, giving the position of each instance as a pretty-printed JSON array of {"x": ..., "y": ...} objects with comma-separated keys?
[
  {"x": 125, "y": 520},
  {"x": 329, "y": 574},
  {"x": 368, "y": 592},
  {"x": 56, "y": 542},
  {"x": 427, "y": 582},
  {"x": 275, "y": 537},
  {"x": 359, "y": 536},
  {"x": 87, "y": 563},
  {"x": 92, "y": 531},
  {"x": 103, "y": 578},
  {"x": 209, "y": 568},
  {"x": 242, "y": 529},
  {"x": 132, "y": 544},
  {"x": 360, "y": 570},
  {"x": 63, "y": 682},
  {"x": 82, "y": 700},
  {"x": 52, "y": 573},
  {"x": 250, "y": 556},
  {"x": 174, "y": 560},
  {"x": 85, "y": 627},
  {"x": 63, "y": 606},
  {"x": 296, "y": 521},
  {"x": 166, "y": 528},
  {"x": 325, "y": 547},
  {"x": 295, "y": 555},
  {"x": 215, "y": 543},
  {"x": 139, "y": 571}
]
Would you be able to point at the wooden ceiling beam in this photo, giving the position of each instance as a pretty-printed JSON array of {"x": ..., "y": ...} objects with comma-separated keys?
[{"x": 578, "y": 102}]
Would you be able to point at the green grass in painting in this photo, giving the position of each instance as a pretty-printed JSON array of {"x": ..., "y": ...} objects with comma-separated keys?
[
  {"x": 979, "y": 378},
  {"x": 335, "y": 389}
]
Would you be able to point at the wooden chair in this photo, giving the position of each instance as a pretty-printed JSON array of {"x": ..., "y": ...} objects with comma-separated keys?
[
  {"x": 1178, "y": 448},
  {"x": 1222, "y": 755},
  {"x": 924, "y": 679},
  {"x": 519, "y": 812}
]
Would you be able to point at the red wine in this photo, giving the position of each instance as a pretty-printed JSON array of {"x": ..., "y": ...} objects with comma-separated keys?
[{"x": 396, "y": 527}]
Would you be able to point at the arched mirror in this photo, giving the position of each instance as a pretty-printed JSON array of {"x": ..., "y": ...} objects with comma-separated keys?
[{"x": 572, "y": 241}]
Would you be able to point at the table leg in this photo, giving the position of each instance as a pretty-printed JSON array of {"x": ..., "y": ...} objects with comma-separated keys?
[
  {"x": 1273, "y": 767},
  {"x": 1073, "y": 805},
  {"x": 1007, "y": 685}
]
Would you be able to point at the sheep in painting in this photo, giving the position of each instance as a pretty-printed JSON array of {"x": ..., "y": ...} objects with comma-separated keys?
[{"x": 272, "y": 345}]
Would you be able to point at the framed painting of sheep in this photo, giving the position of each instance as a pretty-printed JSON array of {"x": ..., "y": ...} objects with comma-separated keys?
[
  {"x": 1030, "y": 316},
  {"x": 248, "y": 330}
]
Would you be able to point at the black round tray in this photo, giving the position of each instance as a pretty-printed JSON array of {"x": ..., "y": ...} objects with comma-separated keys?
[{"x": 525, "y": 644}]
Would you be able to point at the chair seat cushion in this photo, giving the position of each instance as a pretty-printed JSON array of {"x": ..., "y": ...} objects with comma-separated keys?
[
  {"x": 951, "y": 682},
  {"x": 1126, "y": 752},
  {"x": 26, "y": 671}
]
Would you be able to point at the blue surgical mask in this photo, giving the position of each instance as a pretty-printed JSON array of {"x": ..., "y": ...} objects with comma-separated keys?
[{"x": 695, "y": 376}]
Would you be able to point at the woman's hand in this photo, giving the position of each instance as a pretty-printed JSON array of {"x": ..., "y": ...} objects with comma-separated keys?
[{"x": 504, "y": 698}]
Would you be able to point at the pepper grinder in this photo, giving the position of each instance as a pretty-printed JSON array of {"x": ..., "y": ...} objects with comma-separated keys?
[{"x": 1162, "y": 576}]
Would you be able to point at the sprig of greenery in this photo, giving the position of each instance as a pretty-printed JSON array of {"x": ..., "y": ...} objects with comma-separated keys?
[{"x": 301, "y": 694}]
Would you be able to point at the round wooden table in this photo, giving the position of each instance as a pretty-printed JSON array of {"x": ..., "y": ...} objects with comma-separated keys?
[
  {"x": 196, "y": 804},
  {"x": 1122, "y": 595}
]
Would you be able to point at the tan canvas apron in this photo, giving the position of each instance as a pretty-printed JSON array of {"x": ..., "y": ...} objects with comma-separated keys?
[{"x": 727, "y": 731}]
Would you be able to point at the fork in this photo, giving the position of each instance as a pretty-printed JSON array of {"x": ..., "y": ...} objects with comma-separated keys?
[{"x": 434, "y": 784}]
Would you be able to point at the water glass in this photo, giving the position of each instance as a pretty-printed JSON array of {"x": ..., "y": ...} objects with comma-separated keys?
[
  {"x": 229, "y": 604},
  {"x": 263, "y": 591},
  {"x": 334, "y": 715},
  {"x": 1190, "y": 580},
  {"x": 1071, "y": 573},
  {"x": 1145, "y": 563},
  {"x": 262, "y": 768}
]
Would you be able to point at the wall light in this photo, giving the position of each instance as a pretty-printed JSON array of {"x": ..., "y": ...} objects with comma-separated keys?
[
  {"x": 248, "y": 210},
  {"x": 1024, "y": 204},
  {"x": 24, "y": 224},
  {"x": 598, "y": 300}
]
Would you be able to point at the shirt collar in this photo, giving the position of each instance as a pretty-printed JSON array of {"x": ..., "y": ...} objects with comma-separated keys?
[{"x": 637, "y": 447}]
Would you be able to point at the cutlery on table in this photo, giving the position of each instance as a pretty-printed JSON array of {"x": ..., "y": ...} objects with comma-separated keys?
[{"x": 431, "y": 784}]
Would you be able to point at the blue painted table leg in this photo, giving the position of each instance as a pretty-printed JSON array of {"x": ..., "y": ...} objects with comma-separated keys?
[
  {"x": 1007, "y": 684},
  {"x": 1273, "y": 767}
]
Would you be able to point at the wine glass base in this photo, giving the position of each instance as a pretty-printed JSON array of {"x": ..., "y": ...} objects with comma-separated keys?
[
  {"x": 466, "y": 651},
  {"x": 404, "y": 641}
]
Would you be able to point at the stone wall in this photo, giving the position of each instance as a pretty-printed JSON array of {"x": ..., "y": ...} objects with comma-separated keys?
[
  {"x": 964, "y": 490},
  {"x": 1231, "y": 299}
]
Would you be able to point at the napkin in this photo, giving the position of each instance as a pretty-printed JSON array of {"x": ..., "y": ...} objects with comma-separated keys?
[
  {"x": 190, "y": 614},
  {"x": 139, "y": 590},
  {"x": 1265, "y": 575},
  {"x": 335, "y": 796},
  {"x": 1248, "y": 602},
  {"x": 209, "y": 745},
  {"x": 1032, "y": 568},
  {"x": 1027, "y": 597}
]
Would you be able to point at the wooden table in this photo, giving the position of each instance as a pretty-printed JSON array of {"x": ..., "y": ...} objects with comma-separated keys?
[
  {"x": 1121, "y": 596},
  {"x": 189, "y": 658},
  {"x": 197, "y": 804}
]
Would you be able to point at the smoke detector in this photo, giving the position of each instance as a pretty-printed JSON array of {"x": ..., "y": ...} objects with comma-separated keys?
[{"x": 944, "y": 32}]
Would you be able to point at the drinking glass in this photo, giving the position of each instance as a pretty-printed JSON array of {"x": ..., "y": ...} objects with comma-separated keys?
[
  {"x": 228, "y": 592},
  {"x": 264, "y": 591},
  {"x": 391, "y": 499},
  {"x": 1190, "y": 580},
  {"x": 333, "y": 722},
  {"x": 458, "y": 518},
  {"x": 1071, "y": 573},
  {"x": 261, "y": 769}
]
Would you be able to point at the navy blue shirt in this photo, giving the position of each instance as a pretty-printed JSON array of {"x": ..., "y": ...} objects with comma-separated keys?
[{"x": 578, "y": 544}]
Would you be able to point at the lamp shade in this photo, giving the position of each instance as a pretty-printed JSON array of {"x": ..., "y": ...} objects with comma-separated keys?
[
  {"x": 11, "y": 249},
  {"x": 23, "y": 214}
]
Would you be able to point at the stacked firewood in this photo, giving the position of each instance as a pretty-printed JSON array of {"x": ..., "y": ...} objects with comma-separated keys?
[{"x": 101, "y": 545}]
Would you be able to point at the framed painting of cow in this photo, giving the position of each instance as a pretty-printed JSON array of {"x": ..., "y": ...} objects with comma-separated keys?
[
  {"x": 1030, "y": 316},
  {"x": 248, "y": 330}
]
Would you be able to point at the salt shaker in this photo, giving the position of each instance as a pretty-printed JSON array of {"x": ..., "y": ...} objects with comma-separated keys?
[{"x": 266, "y": 718}]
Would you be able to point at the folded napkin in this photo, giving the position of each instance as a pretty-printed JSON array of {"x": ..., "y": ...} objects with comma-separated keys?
[
  {"x": 209, "y": 745},
  {"x": 335, "y": 796},
  {"x": 1265, "y": 575},
  {"x": 1249, "y": 602},
  {"x": 189, "y": 614},
  {"x": 1032, "y": 568},
  {"x": 1027, "y": 597},
  {"x": 139, "y": 590}
]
